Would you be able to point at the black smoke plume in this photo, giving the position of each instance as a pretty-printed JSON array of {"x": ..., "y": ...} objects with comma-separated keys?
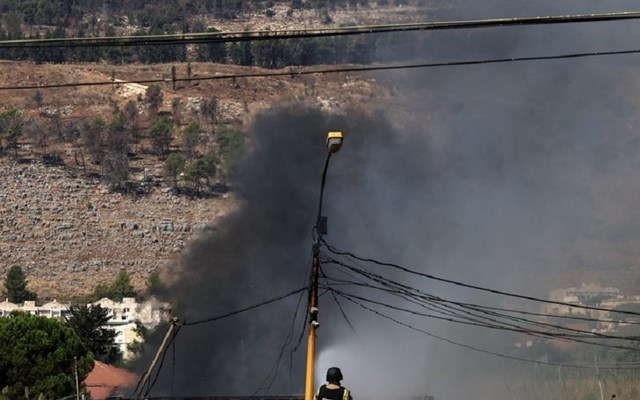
[{"x": 515, "y": 176}]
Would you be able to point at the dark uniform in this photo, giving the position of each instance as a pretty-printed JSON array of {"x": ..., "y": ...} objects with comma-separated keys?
[{"x": 333, "y": 390}]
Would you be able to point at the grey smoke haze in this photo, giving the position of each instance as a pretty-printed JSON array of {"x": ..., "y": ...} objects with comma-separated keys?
[{"x": 504, "y": 176}]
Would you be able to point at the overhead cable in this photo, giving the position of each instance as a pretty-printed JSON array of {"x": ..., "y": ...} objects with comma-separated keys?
[
  {"x": 477, "y": 349},
  {"x": 291, "y": 72},
  {"x": 475, "y": 287},
  {"x": 273, "y": 372},
  {"x": 451, "y": 307},
  {"x": 219, "y": 317},
  {"x": 454, "y": 308},
  {"x": 241, "y": 36}
]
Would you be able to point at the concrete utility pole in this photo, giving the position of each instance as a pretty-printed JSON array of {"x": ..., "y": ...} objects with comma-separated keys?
[
  {"x": 145, "y": 377},
  {"x": 75, "y": 370},
  {"x": 334, "y": 142}
]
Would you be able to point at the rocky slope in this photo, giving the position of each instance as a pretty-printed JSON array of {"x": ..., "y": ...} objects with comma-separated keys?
[{"x": 69, "y": 231}]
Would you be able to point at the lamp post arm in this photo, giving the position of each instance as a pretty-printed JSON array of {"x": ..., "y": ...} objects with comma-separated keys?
[{"x": 320, "y": 229}]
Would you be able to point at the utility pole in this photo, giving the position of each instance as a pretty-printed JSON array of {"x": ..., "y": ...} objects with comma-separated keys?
[
  {"x": 75, "y": 370},
  {"x": 334, "y": 142},
  {"x": 595, "y": 359},
  {"x": 147, "y": 374}
]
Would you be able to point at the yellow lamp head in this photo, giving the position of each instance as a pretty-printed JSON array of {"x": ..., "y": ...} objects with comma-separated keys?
[{"x": 334, "y": 141}]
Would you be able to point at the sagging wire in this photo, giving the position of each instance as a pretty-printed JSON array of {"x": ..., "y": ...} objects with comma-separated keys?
[
  {"x": 335, "y": 251},
  {"x": 566, "y": 337},
  {"x": 333, "y": 70},
  {"x": 264, "y": 303},
  {"x": 404, "y": 291},
  {"x": 178, "y": 326},
  {"x": 472, "y": 318},
  {"x": 477, "y": 349},
  {"x": 273, "y": 373},
  {"x": 335, "y": 299}
]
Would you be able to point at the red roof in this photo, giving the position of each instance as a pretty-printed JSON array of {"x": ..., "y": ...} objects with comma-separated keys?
[{"x": 107, "y": 381}]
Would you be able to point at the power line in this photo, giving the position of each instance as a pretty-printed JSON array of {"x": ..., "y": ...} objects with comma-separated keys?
[
  {"x": 241, "y": 36},
  {"x": 529, "y": 332},
  {"x": 480, "y": 288},
  {"x": 453, "y": 308},
  {"x": 451, "y": 314},
  {"x": 273, "y": 373},
  {"x": 293, "y": 73},
  {"x": 359, "y": 301},
  {"x": 470, "y": 314},
  {"x": 236, "y": 312},
  {"x": 477, "y": 349},
  {"x": 272, "y": 300}
]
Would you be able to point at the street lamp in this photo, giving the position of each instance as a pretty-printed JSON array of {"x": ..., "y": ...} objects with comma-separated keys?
[{"x": 334, "y": 142}]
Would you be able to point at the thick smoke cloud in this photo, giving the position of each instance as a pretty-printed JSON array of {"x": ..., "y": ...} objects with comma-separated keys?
[{"x": 511, "y": 176}]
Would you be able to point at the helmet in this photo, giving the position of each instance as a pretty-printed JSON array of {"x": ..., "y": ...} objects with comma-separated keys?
[{"x": 334, "y": 374}]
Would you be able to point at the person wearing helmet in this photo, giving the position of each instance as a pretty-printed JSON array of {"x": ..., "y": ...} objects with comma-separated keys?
[{"x": 333, "y": 390}]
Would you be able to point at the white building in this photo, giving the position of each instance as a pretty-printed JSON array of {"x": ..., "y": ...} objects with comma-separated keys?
[
  {"x": 52, "y": 309},
  {"x": 127, "y": 314},
  {"x": 124, "y": 316}
]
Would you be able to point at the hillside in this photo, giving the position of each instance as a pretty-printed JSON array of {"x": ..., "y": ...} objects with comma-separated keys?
[
  {"x": 68, "y": 229},
  {"x": 66, "y": 226},
  {"x": 62, "y": 221}
]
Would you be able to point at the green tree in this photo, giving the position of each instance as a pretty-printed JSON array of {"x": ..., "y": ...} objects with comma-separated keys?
[
  {"x": 121, "y": 287},
  {"x": 200, "y": 170},
  {"x": 39, "y": 355},
  {"x": 240, "y": 53},
  {"x": 101, "y": 291},
  {"x": 154, "y": 284},
  {"x": 190, "y": 138},
  {"x": 214, "y": 52},
  {"x": 15, "y": 285},
  {"x": 161, "y": 134},
  {"x": 10, "y": 129},
  {"x": 118, "y": 289},
  {"x": 173, "y": 166},
  {"x": 231, "y": 144},
  {"x": 88, "y": 322}
]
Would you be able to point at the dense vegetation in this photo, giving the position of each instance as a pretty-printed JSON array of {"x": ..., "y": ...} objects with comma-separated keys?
[
  {"x": 56, "y": 19},
  {"x": 39, "y": 358}
]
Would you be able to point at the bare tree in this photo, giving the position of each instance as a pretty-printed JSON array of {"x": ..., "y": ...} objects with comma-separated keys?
[
  {"x": 176, "y": 111},
  {"x": 209, "y": 110},
  {"x": 154, "y": 99},
  {"x": 38, "y": 133}
]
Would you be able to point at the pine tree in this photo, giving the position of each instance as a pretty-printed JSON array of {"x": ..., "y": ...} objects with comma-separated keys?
[
  {"x": 88, "y": 323},
  {"x": 15, "y": 285},
  {"x": 121, "y": 287}
]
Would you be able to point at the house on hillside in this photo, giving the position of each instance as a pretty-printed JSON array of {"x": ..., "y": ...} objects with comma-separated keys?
[
  {"x": 52, "y": 309},
  {"x": 7, "y": 307}
]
